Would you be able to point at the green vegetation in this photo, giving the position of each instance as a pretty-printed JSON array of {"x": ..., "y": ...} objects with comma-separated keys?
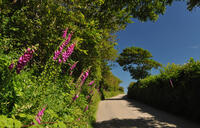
[
  {"x": 110, "y": 84},
  {"x": 175, "y": 89},
  {"x": 45, "y": 79},
  {"x": 109, "y": 94},
  {"x": 137, "y": 61},
  {"x": 23, "y": 95},
  {"x": 39, "y": 87}
]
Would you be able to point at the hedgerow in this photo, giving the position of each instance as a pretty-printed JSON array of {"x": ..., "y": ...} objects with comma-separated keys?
[
  {"x": 44, "y": 76},
  {"x": 52, "y": 98},
  {"x": 175, "y": 89}
]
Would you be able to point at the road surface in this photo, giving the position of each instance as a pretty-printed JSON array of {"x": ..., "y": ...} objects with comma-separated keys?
[{"x": 120, "y": 112}]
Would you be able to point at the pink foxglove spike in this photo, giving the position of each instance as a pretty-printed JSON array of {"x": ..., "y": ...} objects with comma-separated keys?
[
  {"x": 91, "y": 83},
  {"x": 11, "y": 66},
  {"x": 38, "y": 117},
  {"x": 24, "y": 59},
  {"x": 75, "y": 97},
  {"x": 171, "y": 83},
  {"x": 86, "y": 108},
  {"x": 73, "y": 66},
  {"x": 65, "y": 33},
  {"x": 38, "y": 120}
]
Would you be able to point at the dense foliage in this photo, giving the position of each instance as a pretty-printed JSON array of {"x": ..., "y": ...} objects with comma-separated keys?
[
  {"x": 59, "y": 100},
  {"x": 55, "y": 80},
  {"x": 42, "y": 83},
  {"x": 110, "y": 83},
  {"x": 175, "y": 89},
  {"x": 137, "y": 61},
  {"x": 192, "y": 4}
]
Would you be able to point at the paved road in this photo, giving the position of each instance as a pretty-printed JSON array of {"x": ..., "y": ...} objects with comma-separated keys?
[{"x": 120, "y": 112}]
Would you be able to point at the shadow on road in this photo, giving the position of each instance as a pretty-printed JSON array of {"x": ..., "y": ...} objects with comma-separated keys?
[
  {"x": 130, "y": 123},
  {"x": 160, "y": 118},
  {"x": 163, "y": 116}
]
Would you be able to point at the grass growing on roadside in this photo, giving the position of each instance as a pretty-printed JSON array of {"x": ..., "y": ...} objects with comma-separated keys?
[{"x": 109, "y": 94}]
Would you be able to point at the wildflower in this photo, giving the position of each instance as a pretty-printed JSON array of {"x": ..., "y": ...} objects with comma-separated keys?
[
  {"x": 79, "y": 80},
  {"x": 59, "y": 61},
  {"x": 85, "y": 76},
  {"x": 73, "y": 66},
  {"x": 24, "y": 59},
  {"x": 86, "y": 108},
  {"x": 68, "y": 39},
  {"x": 38, "y": 120},
  {"x": 75, "y": 97},
  {"x": 68, "y": 52},
  {"x": 58, "y": 52},
  {"x": 56, "y": 55},
  {"x": 171, "y": 83},
  {"x": 39, "y": 115},
  {"x": 66, "y": 42},
  {"x": 11, "y": 66},
  {"x": 65, "y": 33},
  {"x": 91, "y": 83}
]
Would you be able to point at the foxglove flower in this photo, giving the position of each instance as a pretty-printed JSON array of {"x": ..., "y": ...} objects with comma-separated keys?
[
  {"x": 75, "y": 97},
  {"x": 91, "y": 83},
  {"x": 11, "y": 66},
  {"x": 73, "y": 66},
  {"x": 65, "y": 33},
  {"x": 38, "y": 120},
  {"x": 84, "y": 77},
  {"x": 68, "y": 53},
  {"x": 79, "y": 80},
  {"x": 68, "y": 39},
  {"x": 58, "y": 52},
  {"x": 39, "y": 115},
  {"x": 56, "y": 55},
  {"x": 24, "y": 59},
  {"x": 59, "y": 60},
  {"x": 171, "y": 83},
  {"x": 65, "y": 42},
  {"x": 86, "y": 108}
]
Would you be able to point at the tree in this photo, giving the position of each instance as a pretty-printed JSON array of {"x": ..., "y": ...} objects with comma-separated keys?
[
  {"x": 32, "y": 22},
  {"x": 193, "y": 3},
  {"x": 137, "y": 61}
]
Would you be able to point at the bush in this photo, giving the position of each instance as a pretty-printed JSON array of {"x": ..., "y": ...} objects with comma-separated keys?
[
  {"x": 24, "y": 96},
  {"x": 175, "y": 89},
  {"x": 44, "y": 83}
]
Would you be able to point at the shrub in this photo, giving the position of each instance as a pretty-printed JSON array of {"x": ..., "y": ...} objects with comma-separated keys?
[
  {"x": 45, "y": 99},
  {"x": 175, "y": 89}
]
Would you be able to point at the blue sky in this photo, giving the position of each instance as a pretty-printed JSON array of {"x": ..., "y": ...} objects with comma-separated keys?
[{"x": 173, "y": 38}]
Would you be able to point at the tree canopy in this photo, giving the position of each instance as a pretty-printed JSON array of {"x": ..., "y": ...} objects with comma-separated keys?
[
  {"x": 39, "y": 24},
  {"x": 137, "y": 61},
  {"x": 26, "y": 23},
  {"x": 192, "y": 4}
]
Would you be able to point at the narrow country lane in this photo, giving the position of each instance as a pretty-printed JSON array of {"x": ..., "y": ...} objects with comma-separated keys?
[{"x": 120, "y": 112}]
